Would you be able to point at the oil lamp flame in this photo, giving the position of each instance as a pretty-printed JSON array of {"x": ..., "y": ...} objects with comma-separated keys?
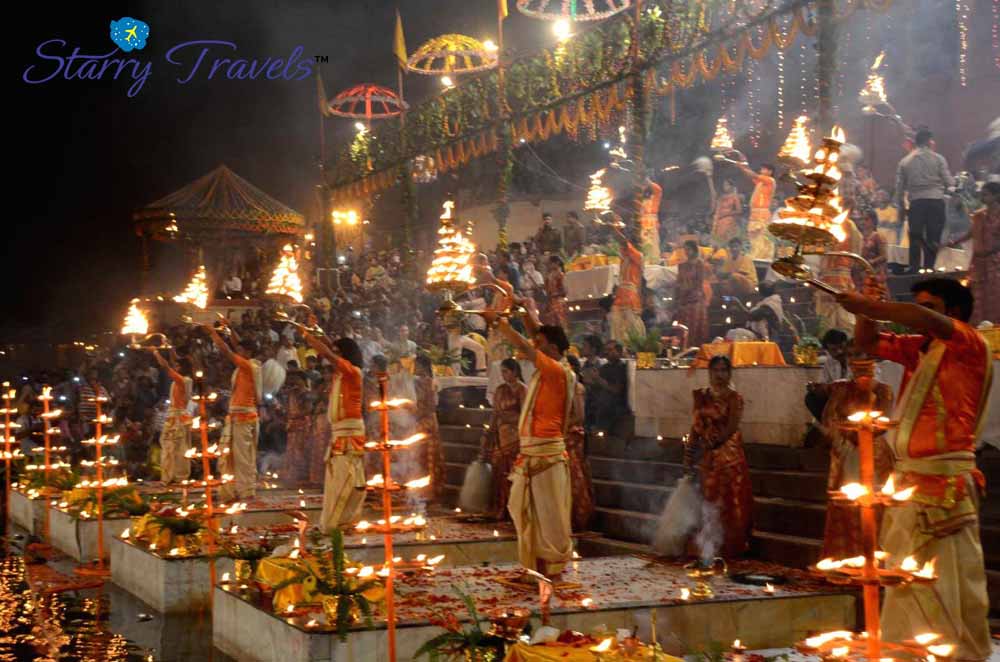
[
  {"x": 941, "y": 650},
  {"x": 135, "y": 321},
  {"x": 604, "y": 646},
  {"x": 285, "y": 278},
  {"x": 853, "y": 491},
  {"x": 722, "y": 141},
  {"x": 196, "y": 292},
  {"x": 926, "y": 638}
]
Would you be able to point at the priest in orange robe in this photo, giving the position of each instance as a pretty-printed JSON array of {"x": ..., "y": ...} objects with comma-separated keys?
[
  {"x": 540, "y": 500},
  {"x": 947, "y": 376}
]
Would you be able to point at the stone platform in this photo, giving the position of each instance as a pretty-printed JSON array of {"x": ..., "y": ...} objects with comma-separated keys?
[
  {"x": 27, "y": 512},
  {"x": 78, "y": 537},
  {"x": 617, "y": 592},
  {"x": 174, "y": 585},
  {"x": 168, "y": 585}
]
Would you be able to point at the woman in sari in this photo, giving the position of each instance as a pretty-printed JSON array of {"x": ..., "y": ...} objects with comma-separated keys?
[
  {"x": 715, "y": 450},
  {"x": 873, "y": 249},
  {"x": 295, "y": 468},
  {"x": 984, "y": 269},
  {"x": 500, "y": 444},
  {"x": 693, "y": 294},
  {"x": 427, "y": 422},
  {"x": 842, "y": 534},
  {"x": 555, "y": 292},
  {"x": 320, "y": 428},
  {"x": 576, "y": 446}
]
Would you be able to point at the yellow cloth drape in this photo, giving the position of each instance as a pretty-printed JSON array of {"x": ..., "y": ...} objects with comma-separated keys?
[
  {"x": 560, "y": 653},
  {"x": 741, "y": 353}
]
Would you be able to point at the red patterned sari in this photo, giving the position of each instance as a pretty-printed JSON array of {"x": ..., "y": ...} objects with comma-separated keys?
[
  {"x": 579, "y": 468},
  {"x": 502, "y": 442},
  {"x": 725, "y": 474}
]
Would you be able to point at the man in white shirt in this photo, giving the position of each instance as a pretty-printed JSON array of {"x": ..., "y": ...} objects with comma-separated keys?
[
  {"x": 923, "y": 177},
  {"x": 835, "y": 368},
  {"x": 232, "y": 286},
  {"x": 286, "y": 352}
]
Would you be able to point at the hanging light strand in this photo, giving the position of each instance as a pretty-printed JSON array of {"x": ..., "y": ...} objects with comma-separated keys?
[
  {"x": 781, "y": 89},
  {"x": 962, "y": 13},
  {"x": 996, "y": 34}
]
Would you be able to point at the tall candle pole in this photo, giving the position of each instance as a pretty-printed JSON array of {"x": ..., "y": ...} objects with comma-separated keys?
[
  {"x": 46, "y": 397},
  {"x": 869, "y": 532},
  {"x": 8, "y": 396},
  {"x": 206, "y": 456},
  {"x": 390, "y": 595}
]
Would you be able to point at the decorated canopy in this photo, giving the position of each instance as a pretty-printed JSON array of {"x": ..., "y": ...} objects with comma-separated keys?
[
  {"x": 367, "y": 102},
  {"x": 220, "y": 204},
  {"x": 452, "y": 54},
  {"x": 572, "y": 10}
]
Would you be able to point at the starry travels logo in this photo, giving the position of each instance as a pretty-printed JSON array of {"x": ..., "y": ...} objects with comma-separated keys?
[
  {"x": 129, "y": 34},
  {"x": 189, "y": 61}
]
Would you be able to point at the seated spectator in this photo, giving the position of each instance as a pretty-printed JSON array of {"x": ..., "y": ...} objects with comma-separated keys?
[
  {"x": 736, "y": 275},
  {"x": 835, "y": 368}
]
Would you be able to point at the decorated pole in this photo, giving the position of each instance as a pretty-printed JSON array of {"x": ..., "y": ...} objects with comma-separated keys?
[
  {"x": 826, "y": 63},
  {"x": 206, "y": 469},
  {"x": 100, "y": 440},
  {"x": 637, "y": 120},
  {"x": 47, "y": 432},
  {"x": 869, "y": 533}
]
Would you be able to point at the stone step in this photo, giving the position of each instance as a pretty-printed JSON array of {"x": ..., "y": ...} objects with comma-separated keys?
[
  {"x": 630, "y": 496},
  {"x": 461, "y": 434},
  {"x": 624, "y": 524},
  {"x": 461, "y": 416},
  {"x": 789, "y": 517},
  {"x": 801, "y": 485},
  {"x": 461, "y": 454},
  {"x": 635, "y": 471},
  {"x": 788, "y": 550}
]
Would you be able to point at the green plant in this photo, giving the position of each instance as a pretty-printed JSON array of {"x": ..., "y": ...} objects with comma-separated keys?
[
  {"x": 713, "y": 652},
  {"x": 456, "y": 640},
  {"x": 644, "y": 342},
  {"x": 178, "y": 526},
  {"x": 332, "y": 581},
  {"x": 809, "y": 341},
  {"x": 60, "y": 479},
  {"x": 443, "y": 356}
]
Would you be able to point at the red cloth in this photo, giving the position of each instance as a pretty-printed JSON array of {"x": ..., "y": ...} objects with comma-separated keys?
[{"x": 725, "y": 474}]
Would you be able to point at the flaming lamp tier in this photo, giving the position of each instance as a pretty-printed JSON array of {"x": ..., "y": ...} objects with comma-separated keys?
[
  {"x": 196, "y": 292},
  {"x": 451, "y": 269},
  {"x": 285, "y": 279},
  {"x": 814, "y": 216},
  {"x": 796, "y": 150}
]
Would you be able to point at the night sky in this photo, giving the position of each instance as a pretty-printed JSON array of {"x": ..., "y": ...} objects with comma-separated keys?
[{"x": 86, "y": 155}]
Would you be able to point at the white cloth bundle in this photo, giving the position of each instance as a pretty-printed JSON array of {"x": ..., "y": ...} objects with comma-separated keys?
[
  {"x": 679, "y": 519},
  {"x": 272, "y": 376},
  {"x": 477, "y": 488}
]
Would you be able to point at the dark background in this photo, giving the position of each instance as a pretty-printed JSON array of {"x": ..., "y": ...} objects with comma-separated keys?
[{"x": 85, "y": 155}]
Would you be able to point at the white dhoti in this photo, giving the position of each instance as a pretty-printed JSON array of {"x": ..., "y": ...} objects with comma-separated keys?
[
  {"x": 956, "y": 605},
  {"x": 239, "y": 435},
  {"x": 624, "y": 322},
  {"x": 175, "y": 440},
  {"x": 344, "y": 479},
  {"x": 541, "y": 503}
]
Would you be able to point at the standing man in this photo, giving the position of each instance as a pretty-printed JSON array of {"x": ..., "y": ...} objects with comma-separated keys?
[
  {"x": 922, "y": 177},
  {"x": 175, "y": 438},
  {"x": 576, "y": 234},
  {"x": 344, "y": 478},
  {"x": 242, "y": 427},
  {"x": 540, "y": 495},
  {"x": 948, "y": 372},
  {"x": 548, "y": 238},
  {"x": 761, "y": 246},
  {"x": 626, "y": 311}
]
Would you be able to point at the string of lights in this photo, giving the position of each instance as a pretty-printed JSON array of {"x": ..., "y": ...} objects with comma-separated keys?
[
  {"x": 753, "y": 102},
  {"x": 781, "y": 89},
  {"x": 996, "y": 33},
  {"x": 962, "y": 14}
]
